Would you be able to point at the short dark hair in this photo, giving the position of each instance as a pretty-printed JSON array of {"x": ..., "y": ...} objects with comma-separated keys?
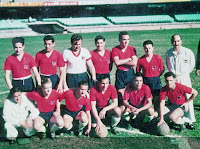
[
  {"x": 147, "y": 42},
  {"x": 44, "y": 81},
  {"x": 122, "y": 33},
  {"x": 102, "y": 77},
  {"x": 172, "y": 38},
  {"x": 14, "y": 90},
  {"x": 137, "y": 74},
  {"x": 99, "y": 37},
  {"x": 169, "y": 74},
  {"x": 83, "y": 83},
  {"x": 18, "y": 40},
  {"x": 76, "y": 37},
  {"x": 48, "y": 37}
]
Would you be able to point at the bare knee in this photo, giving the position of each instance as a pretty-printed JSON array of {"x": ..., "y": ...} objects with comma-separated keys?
[
  {"x": 117, "y": 111},
  {"x": 82, "y": 116}
]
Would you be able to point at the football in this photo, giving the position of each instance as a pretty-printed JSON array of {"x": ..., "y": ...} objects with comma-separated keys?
[
  {"x": 103, "y": 133},
  {"x": 163, "y": 129}
]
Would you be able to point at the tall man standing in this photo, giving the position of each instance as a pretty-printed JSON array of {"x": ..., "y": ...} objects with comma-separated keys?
[
  {"x": 76, "y": 59},
  {"x": 124, "y": 57},
  {"x": 48, "y": 60},
  {"x": 20, "y": 64},
  {"x": 181, "y": 61}
]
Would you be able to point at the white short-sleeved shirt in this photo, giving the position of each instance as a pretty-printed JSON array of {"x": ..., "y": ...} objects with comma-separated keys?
[
  {"x": 180, "y": 64},
  {"x": 76, "y": 63}
]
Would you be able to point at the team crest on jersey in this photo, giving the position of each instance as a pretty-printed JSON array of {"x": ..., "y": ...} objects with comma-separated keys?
[
  {"x": 83, "y": 58},
  {"x": 53, "y": 63},
  {"x": 186, "y": 61},
  {"x": 141, "y": 98},
  {"x": 52, "y": 102},
  {"x": 108, "y": 61},
  {"x": 178, "y": 98},
  {"x": 25, "y": 66},
  {"x": 80, "y": 106},
  {"x": 153, "y": 67}
]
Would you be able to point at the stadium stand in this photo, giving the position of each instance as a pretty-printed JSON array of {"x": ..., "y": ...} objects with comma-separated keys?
[
  {"x": 187, "y": 17},
  {"x": 141, "y": 19},
  {"x": 12, "y": 24},
  {"x": 84, "y": 21}
]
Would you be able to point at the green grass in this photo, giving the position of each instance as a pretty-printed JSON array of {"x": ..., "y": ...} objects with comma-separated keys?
[{"x": 161, "y": 40}]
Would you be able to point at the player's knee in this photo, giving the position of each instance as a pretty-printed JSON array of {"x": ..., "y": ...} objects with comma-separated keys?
[
  {"x": 173, "y": 117},
  {"x": 117, "y": 112},
  {"x": 37, "y": 126},
  {"x": 60, "y": 122},
  {"x": 83, "y": 117},
  {"x": 68, "y": 125}
]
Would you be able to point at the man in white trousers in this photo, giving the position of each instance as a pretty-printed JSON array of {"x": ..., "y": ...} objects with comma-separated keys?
[{"x": 181, "y": 62}]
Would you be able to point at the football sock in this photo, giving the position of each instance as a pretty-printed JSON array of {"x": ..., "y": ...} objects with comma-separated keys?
[
  {"x": 115, "y": 120},
  {"x": 180, "y": 121},
  {"x": 126, "y": 116},
  {"x": 54, "y": 128}
]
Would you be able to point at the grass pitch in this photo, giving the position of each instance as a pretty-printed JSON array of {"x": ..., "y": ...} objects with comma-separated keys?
[{"x": 162, "y": 42}]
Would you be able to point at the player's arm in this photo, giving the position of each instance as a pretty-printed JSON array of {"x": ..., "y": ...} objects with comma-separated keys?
[
  {"x": 57, "y": 107},
  {"x": 132, "y": 108},
  {"x": 118, "y": 61},
  {"x": 60, "y": 85},
  {"x": 133, "y": 61},
  {"x": 92, "y": 69},
  {"x": 162, "y": 107},
  {"x": 89, "y": 122},
  {"x": 37, "y": 75},
  {"x": 64, "y": 78},
  {"x": 114, "y": 104},
  {"x": 7, "y": 78},
  {"x": 145, "y": 107}
]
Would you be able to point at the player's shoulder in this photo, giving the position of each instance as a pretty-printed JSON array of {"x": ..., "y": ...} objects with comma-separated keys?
[
  {"x": 170, "y": 51},
  {"x": 142, "y": 57}
]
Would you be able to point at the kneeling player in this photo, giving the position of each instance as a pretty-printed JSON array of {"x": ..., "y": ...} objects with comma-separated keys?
[
  {"x": 77, "y": 106},
  {"x": 178, "y": 103},
  {"x": 100, "y": 96},
  {"x": 18, "y": 111},
  {"x": 138, "y": 101},
  {"x": 47, "y": 100}
]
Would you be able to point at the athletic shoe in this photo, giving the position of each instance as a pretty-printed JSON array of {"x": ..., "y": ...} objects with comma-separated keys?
[
  {"x": 190, "y": 126},
  {"x": 129, "y": 127},
  {"x": 52, "y": 135},
  {"x": 80, "y": 132},
  {"x": 41, "y": 135},
  {"x": 114, "y": 131}
]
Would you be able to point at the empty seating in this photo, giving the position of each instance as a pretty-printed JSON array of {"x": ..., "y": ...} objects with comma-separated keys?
[
  {"x": 187, "y": 17},
  {"x": 12, "y": 24}
]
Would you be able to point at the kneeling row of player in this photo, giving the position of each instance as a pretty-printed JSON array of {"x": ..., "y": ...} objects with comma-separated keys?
[{"x": 103, "y": 99}]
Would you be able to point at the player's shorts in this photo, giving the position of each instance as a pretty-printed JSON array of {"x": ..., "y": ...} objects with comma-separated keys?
[
  {"x": 70, "y": 113},
  {"x": 173, "y": 107},
  {"x": 123, "y": 78},
  {"x": 25, "y": 85},
  {"x": 54, "y": 79},
  {"x": 47, "y": 116},
  {"x": 74, "y": 79},
  {"x": 154, "y": 84},
  {"x": 93, "y": 118}
]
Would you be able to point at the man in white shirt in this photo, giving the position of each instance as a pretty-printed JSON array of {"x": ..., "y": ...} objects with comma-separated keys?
[
  {"x": 181, "y": 62},
  {"x": 18, "y": 111}
]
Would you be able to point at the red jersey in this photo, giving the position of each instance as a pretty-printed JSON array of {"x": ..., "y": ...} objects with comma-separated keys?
[
  {"x": 101, "y": 63},
  {"x": 21, "y": 68},
  {"x": 130, "y": 51},
  {"x": 102, "y": 100},
  {"x": 137, "y": 98},
  {"x": 44, "y": 105},
  {"x": 177, "y": 96},
  {"x": 73, "y": 104},
  {"x": 48, "y": 65},
  {"x": 152, "y": 68}
]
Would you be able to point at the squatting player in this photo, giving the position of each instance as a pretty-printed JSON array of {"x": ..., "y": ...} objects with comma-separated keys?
[
  {"x": 138, "y": 101},
  {"x": 48, "y": 60},
  {"x": 77, "y": 107},
  {"x": 178, "y": 103},
  {"x": 47, "y": 101},
  {"x": 101, "y": 57},
  {"x": 124, "y": 57},
  {"x": 76, "y": 59},
  {"x": 152, "y": 68},
  {"x": 20, "y": 65},
  {"x": 100, "y": 96}
]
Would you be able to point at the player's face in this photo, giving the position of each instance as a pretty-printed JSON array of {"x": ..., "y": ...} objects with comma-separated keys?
[
  {"x": 170, "y": 82},
  {"x": 46, "y": 89},
  {"x": 148, "y": 49},
  {"x": 76, "y": 45},
  {"x": 124, "y": 41},
  {"x": 83, "y": 89},
  {"x": 103, "y": 85},
  {"x": 138, "y": 81},
  {"x": 49, "y": 45},
  {"x": 100, "y": 44},
  {"x": 17, "y": 97},
  {"x": 19, "y": 48},
  {"x": 177, "y": 42}
]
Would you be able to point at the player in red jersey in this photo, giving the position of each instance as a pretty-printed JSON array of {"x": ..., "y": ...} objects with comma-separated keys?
[
  {"x": 152, "y": 68},
  {"x": 124, "y": 57},
  {"x": 20, "y": 65},
  {"x": 48, "y": 60},
  {"x": 47, "y": 100},
  {"x": 77, "y": 107},
  {"x": 178, "y": 103},
  {"x": 138, "y": 101},
  {"x": 100, "y": 96},
  {"x": 101, "y": 57}
]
